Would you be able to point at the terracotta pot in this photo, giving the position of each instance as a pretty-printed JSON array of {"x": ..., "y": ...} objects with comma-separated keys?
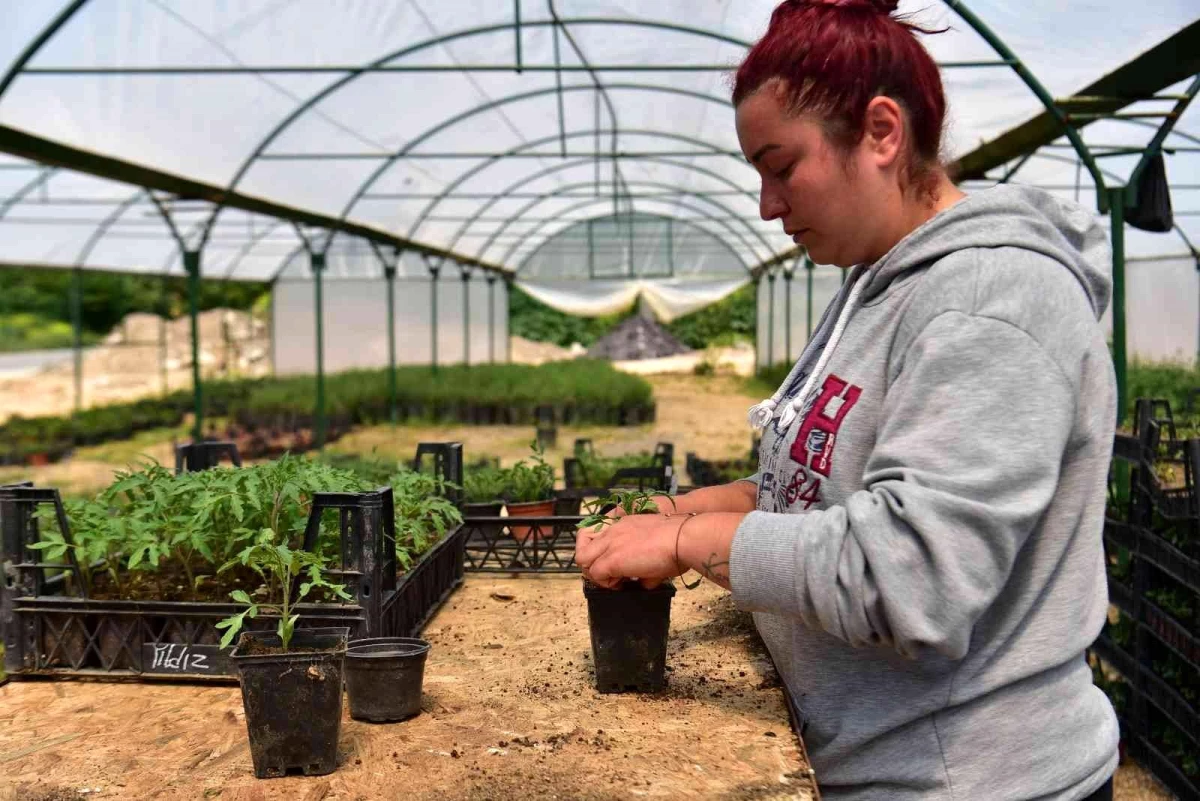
[{"x": 529, "y": 509}]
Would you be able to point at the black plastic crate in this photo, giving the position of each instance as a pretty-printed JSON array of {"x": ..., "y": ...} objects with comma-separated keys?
[
  {"x": 547, "y": 547},
  {"x": 50, "y": 628},
  {"x": 1155, "y": 527}
]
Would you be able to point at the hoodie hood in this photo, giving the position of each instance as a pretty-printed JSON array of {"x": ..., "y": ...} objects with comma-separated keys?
[
  {"x": 1003, "y": 216},
  {"x": 1007, "y": 216}
]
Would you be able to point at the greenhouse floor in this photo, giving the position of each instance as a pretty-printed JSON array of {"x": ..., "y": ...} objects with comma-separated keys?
[{"x": 509, "y": 711}]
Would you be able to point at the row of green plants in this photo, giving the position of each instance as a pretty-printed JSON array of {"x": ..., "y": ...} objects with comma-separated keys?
[
  {"x": 202, "y": 535},
  {"x": 23, "y": 437},
  {"x": 362, "y": 395},
  {"x": 599, "y": 471},
  {"x": 527, "y": 481},
  {"x": 21, "y": 331},
  {"x": 592, "y": 387}
]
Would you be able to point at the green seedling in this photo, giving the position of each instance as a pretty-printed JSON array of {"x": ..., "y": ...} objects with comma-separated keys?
[
  {"x": 278, "y": 566},
  {"x": 631, "y": 501}
]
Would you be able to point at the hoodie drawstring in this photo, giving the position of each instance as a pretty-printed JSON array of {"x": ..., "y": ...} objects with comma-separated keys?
[{"x": 762, "y": 413}]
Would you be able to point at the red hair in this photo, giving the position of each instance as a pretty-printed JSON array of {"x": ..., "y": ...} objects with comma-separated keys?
[{"x": 832, "y": 57}]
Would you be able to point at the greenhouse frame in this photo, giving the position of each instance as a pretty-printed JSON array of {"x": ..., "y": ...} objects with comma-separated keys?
[{"x": 443, "y": 153}]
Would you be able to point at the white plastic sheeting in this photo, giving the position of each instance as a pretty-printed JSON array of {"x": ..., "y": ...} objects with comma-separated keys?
[
  {"x": 355, "y": 327},
  {"x": 380, "y": 147},
  {"x": 669, "y": 299},
  {"x": 773, "y": 312},
  {"x": 1162, "y": 301},
  {"x": 451, "y": 146}
]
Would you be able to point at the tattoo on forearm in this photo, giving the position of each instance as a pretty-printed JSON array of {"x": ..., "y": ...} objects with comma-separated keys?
[{"x": 709, "y": 568}]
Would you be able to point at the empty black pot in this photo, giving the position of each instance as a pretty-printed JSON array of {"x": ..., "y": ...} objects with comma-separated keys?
[
  {"x": 293, "y": 700},
  {"x": 489, "y": 509},
  {"x": 384, "y": 676},
  {"x": 629, "y": 627}
]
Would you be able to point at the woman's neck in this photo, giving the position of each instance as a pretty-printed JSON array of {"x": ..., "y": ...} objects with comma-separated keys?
[{"x": 916, "y": 210}]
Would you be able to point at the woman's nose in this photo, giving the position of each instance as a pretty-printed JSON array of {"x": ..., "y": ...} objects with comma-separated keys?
[{"x": 770, "y": 205}]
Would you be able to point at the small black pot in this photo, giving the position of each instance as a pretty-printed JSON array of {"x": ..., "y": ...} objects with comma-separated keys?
[
  {"x": 489, "y": 509},
  {"x": 629, "y": 628},
  {"x": 384, "y": 677},
  {"x": 293, "y": 700}
]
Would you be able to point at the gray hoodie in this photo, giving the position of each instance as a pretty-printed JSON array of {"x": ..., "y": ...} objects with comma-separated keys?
[{"x": 926, "y": 562}]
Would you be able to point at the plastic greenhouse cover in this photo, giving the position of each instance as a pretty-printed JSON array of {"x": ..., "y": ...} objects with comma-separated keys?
[{"x": 488, "y": 163}]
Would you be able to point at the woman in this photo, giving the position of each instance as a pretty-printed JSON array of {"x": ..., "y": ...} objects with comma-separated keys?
[{"x": 922, "y": 542}]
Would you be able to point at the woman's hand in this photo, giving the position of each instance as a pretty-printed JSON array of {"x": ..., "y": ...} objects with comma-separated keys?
[
  {"x": 665, "y": 504},
  {"x": 634, "y": 546}
]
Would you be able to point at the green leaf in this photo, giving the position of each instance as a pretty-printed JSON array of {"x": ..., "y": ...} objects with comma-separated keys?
[
  {"x": 241, "y": 597},
  {"x": 232, "y": 625}
]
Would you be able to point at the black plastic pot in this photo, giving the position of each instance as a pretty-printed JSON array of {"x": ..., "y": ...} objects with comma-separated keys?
[
  {"x": 293, "y": 700},
  {"x": 384, "y": 677},
  {"x": 629, "y": 628},
  {"x": 490, "y": 509}
]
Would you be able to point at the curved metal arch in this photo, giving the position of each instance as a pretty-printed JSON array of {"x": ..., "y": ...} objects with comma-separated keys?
[
  {"x": 46, "y": 35},
  {"x": 663, "y": 185},
  {"x": 1039, "y": 91},
  {"x": 299, "y": 111},
  {"x": 558, "y": 192},
  {"x": 1147, "y": 124},
  {"x": 478, "y": 168},
  {"x": 108, "y": 222},
  {"x": 254, "y": 242},
  {"x": 594, "y": 200},
  {"x": 578, "y": 162},
  {"x": 497, "y": 103},
  {"x": 1112, "y": 176},
  {"x": 42, "y": 177}
]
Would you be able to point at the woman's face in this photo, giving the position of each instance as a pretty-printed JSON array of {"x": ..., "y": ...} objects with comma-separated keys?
[{"x": 824, "y": 198}]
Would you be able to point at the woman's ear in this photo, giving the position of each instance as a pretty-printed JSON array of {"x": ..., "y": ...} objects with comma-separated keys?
[{"x": 883, "y": 131}]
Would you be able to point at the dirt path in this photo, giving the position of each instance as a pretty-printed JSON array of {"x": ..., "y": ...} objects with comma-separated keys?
[{"x": 509, "y": 712}]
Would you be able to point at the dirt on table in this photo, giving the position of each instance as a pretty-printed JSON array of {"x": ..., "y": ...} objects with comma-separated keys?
[{"x": 509, "y": 711}]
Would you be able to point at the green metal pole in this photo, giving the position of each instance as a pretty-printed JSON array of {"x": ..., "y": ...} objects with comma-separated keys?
[
  {"x": 1116, "y": 196},
  {"x": 808, "y": 275},
  {"x": 491, "y": 282},
  {"x": 770, "y": 319},
  {"x": 191, "y": 263},
  {"x": 77, "y": 333},
  {"x": 433, "y": 306},
  {"x": 757, "y": 306},
  {"x": 318, "y": 267},
  {"x": 508, "y": 285},
  {"x": 466, "y": 284},
  {"x": 163, "y": 311},
  {"x": 787, "y": 315},
  {"x": 390, "y": 274}
]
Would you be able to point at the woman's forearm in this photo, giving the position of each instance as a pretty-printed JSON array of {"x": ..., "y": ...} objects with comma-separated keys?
[
  {"x": 704, "y": 544},
  {"x": 738, "y": 496}
]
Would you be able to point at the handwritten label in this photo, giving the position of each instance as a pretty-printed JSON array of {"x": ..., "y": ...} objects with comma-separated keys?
[{"x": 177, "y": 658}]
